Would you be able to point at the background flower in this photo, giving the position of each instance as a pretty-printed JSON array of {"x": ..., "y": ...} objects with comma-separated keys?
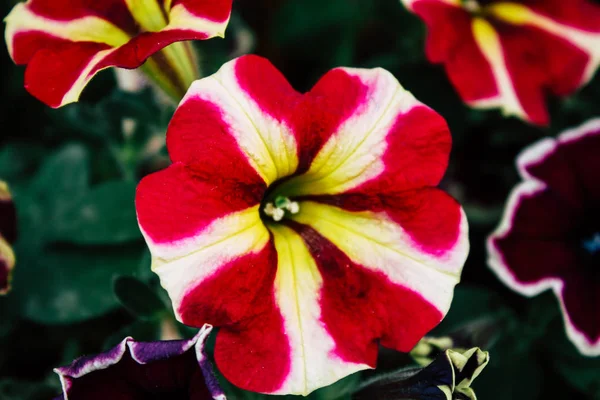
[
  {"x": 8, "y": 234},
  {"x": 65, "y": 43},
  {"x": 549, "y": 236},
  {"x": 313, "y": 219},
  {"x": 176, "y": 369},
  {"x": 512, "y": 54}
]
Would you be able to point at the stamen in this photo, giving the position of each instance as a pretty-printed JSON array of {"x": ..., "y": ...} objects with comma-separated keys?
[{"x": 279, "y": 206}]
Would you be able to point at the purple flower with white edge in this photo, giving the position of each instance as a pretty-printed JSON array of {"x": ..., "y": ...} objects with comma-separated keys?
[
  {"x": 174, "y": 369},
  {"x": 549, "y": 237}
]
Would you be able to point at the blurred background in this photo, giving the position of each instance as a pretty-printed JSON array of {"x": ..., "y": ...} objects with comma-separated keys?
[{"x": 82, "y": 266}]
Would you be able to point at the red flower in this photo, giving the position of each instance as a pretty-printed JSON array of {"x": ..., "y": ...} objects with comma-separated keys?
[
  {"x": 549, "y": 236},
  {"x": 64, "y": 43},
  {"x": 307, "y": 227},
  {"x": 509, "y": 54}
]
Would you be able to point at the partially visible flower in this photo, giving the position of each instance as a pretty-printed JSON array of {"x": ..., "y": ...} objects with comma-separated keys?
[
  {"x": 176, "y": 369},
  {"x": 549, "y": 237},
  {"x": 8, "y": 234},
  {"x": 64, "y": 43},
  {"x": 508, "y": 54},
  {"x": 448, "y": 377},
  {"x": 307, "y": 227}
]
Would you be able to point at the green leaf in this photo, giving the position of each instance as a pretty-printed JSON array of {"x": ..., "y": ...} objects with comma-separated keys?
[
  {"x": 104, "y": 215},
  {"x": 582, "y": 373},
  {"x": 63, "y": 175},
  {"x": 68, "y": 284},
  {"x": 138, "y": 297},
  {"x": 470, "y": 303}
]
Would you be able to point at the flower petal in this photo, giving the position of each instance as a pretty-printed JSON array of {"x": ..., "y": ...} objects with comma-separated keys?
[
  {"x": 136, "y": 369},
  {"x": 538, "y": 244},
  {"x": 450, "y": 41},
  {"x": 181, "y": 210},
  {"x": 70, "y": 39},
  {"x": 389, "y": 141},
  {"x": 380, "y": 241},
  {"x": 250, "y": 103},
  {"x": 511, "y": 55},
  {"x": 252, "y": 348}
]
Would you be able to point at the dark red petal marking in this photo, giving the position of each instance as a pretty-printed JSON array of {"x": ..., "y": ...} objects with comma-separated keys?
[
  {"x": 8, "y": 220},
  {"x": 267, "y": 87},
  {"x": 252, "y": 349},
  {"x": 583, "y": 156},
  {"x": 418, "y": 148},
  {"x": 360, "y": 306},
  {"x": 199, "y": 137},
  {"x": 582, "y": 301},
  {"x": 214, "y": 10},
  {"x": 430, "y": 216},
  {"x": 543, "y": 215},
  {"x": 4, "y": 272},
  {"x": 532, "y": 259},
  {"x": 539, "y": 63},
  {"x": 50, "y": 74},
  {"x": 579, "y": 14},
  {"x": 114, "y": 11},
  {"x": 179, "y": 202},
  {"x": 450, "y": 41},
  {"x": 558, "y": 173},
  {"x": 335, "y": 98}
]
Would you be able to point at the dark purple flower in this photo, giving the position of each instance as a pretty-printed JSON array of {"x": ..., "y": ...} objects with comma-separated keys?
[
  {"x": 549, "y": 237},
  {"x": 8, "y": 234},
  {"x": 175, "y": 369}
]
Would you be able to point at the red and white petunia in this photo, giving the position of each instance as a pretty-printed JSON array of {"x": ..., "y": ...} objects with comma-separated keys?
[
  {"x": 509, "y": 54},
  {"x": 307, "y": 227},
  {"x": 64, "y": 43},
  {"x": 8, "y": 234},
  {"x": 549, "y": 237}
]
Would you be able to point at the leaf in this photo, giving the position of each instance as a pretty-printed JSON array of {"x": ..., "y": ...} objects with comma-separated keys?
[
  {"x": 68, "y": 284},
  {"x": 104, "y": 215},
  {"x": 583, "y": 373},
  {"x": 138, "y": 297}
]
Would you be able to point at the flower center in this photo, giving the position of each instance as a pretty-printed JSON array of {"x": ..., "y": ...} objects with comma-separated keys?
[
  {"x": 281, "y": 205},
  {"x": 592, "y": 244}
]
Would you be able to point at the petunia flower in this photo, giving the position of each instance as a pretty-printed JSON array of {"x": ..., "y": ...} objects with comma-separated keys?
[
  {"x": 175, "y": 369},
  {"x": 447, "y": 377},
  {"x": 307, "y": 227},
  {"x": 65, "y": 43},
  {"x": 549, "y": 236},
  {"x": 509, "y": 54},
  {"x": 8, "y": 234}
]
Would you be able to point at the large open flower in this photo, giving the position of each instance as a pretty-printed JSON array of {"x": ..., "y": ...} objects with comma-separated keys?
[
  {"x": 307, "y": 227},
  {"x": 8, "y": 234},
  {"x": 64, "y": 43},
  {"x": 509, "y": 54},
  {"x": 549, "y": 236},
  {"x": 176, "y": 369}
]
